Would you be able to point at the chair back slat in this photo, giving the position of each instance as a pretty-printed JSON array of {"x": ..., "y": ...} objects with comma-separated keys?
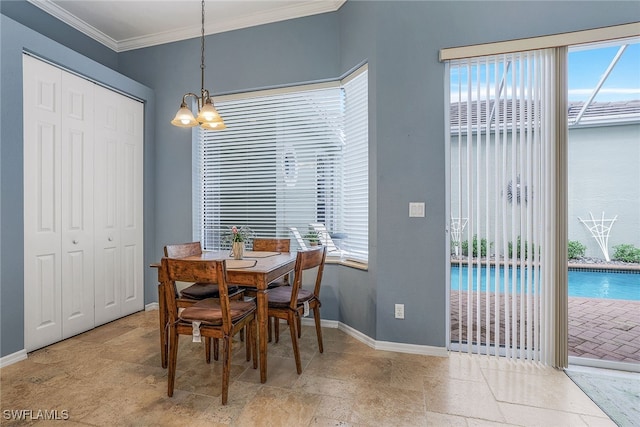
[
  {"x": 271, "y": 244},
  {"x": 306, "y": 260},
  {"x": 191, "y": 270},
  {"x": 181, "y": 250}
]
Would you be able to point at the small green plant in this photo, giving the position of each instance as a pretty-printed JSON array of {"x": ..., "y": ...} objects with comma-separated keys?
[
  {"x": 626, "y": 253},
  {"x": 575, "y": 249},
  {"x": 519, "y": 245},
  {"x": 483, "y": 247},
  {"x": 312, "y": 237}
]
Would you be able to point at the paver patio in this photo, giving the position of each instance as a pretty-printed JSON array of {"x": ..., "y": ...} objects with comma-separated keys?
[{"x": 603, "y": 329}]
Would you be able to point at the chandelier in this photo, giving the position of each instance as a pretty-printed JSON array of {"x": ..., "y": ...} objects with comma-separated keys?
[{"x": 208, "y": 117}]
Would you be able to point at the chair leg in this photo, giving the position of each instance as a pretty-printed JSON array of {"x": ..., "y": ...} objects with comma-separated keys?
[
  {"x": 294, "y": 341},
  {"x": 216, "y": 346},
  {"x": 276, "y": 328},
  {"x": 299, "y": 326},
  {"x": 247, "y": 341},
  {"x": 207, "y": 349},
  {"x": 164, "y": 340},
  {"x": 254, "y": 342},
  {"x": 226, "y": 368},
  {"x": 173, "y": 357},
  {"x": 316, "y": 317},
  {"x": 269, "y": 321}
]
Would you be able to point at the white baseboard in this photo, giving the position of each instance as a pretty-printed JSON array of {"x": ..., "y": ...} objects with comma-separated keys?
[
  {"x": 151, "y": 306},
  {"x": 382, "y": 345},
  {"x": 10, "y": 359}
]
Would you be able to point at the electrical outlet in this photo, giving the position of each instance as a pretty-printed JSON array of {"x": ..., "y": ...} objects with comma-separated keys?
[{"x": 399, "y": 311}]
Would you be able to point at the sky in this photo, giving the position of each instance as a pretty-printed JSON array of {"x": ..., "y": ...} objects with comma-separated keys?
[{"x": 587, "y": 66}]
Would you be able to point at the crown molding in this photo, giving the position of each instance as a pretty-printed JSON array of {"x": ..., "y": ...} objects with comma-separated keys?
[
  {"x": 296, "y": 10},
  {"x": 71, "y": 20}
]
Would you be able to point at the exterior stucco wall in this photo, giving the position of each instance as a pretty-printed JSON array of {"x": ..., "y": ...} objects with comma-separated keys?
[{"x": 604, "y": 176}]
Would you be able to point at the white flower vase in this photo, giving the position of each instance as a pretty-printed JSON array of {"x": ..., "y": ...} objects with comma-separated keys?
[{"x": 238, "y": 250}]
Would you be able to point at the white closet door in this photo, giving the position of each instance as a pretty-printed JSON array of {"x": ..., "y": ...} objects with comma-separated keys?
[
  {"x": 77, "y": 200},
  {"x": 118, "y": 206},
  {"x": 42, "y": 203},
  {"x": 132, "y": 202}
]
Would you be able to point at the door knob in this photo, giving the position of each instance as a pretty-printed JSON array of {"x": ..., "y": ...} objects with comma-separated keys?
[
  {"x": 75, "y": 242},
  {"x": 110, "y": 239}
]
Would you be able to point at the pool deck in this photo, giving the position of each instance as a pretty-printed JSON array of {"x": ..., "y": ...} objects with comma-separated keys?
[{"x": 604, "y": 329}]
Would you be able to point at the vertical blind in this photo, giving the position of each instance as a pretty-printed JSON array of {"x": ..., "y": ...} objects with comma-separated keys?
[
  {"x": 288, "y": 158},
  {"x": 502, "y": 112}
]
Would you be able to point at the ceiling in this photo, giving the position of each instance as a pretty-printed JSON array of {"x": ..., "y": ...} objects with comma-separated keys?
[{"x": 131, "y": 24}]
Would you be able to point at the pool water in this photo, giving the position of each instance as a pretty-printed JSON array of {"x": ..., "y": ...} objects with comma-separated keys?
[{"x": 602, "y": 284}]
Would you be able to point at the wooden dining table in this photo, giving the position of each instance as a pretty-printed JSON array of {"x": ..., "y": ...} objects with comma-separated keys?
[{"x": 268, "y": 266}]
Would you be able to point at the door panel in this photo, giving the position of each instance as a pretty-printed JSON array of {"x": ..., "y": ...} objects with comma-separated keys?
[
  {"x": 118, "y": 206},
  {"x": 107, "y": 222},
  {"x": 131, "y": 209},
  {"x": 77, "y": 205},
  {"x": 42, "y": 204}
]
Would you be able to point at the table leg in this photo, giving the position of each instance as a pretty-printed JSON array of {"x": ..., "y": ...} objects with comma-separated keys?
[{"x": 263, "y": 317}]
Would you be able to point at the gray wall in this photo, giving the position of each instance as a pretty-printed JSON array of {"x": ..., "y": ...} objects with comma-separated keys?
[{"x": 400, "y": 40}]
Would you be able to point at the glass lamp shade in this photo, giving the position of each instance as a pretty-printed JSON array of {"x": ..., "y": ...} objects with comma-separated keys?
[
  {"x": 208, "y": 113},
  {"x": 184, "y": 118},
  {"x": 215, "y": 125}
]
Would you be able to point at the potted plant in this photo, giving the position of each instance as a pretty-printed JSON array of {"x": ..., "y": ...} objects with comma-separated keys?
[
  {"x": 312, "y": 237},
  {"x": 237, "y": 237}
]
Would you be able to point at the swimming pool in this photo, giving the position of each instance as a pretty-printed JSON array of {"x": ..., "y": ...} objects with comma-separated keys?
[{"x": 604, "y": 284}]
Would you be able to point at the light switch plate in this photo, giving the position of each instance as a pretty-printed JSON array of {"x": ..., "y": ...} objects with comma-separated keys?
[{"x": 416, "y": 209}]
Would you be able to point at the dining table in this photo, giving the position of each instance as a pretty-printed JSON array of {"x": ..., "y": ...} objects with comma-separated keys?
[{"x": 256, "y": 270}]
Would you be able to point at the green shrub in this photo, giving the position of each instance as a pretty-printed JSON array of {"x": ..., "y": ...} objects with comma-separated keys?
[
  {"x": 519, "y": 245},
  {"x": 483, "y": 247},
  {"x": 626, "y": 253},
  {"x": 575, "y": 249}
]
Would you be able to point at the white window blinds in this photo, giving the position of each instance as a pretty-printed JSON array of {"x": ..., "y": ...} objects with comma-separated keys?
[
  {"x": 282, "y": 162},
  {"x": 356, "y": 170}
]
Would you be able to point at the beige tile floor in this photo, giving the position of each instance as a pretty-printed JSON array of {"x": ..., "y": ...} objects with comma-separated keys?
[{"x": 111, "y": 376}]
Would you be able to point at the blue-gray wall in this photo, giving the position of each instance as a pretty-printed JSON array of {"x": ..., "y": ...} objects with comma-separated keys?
[{"x": 400, "y": 41}]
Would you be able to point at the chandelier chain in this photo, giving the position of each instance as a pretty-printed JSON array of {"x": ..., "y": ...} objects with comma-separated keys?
[
  {"x": 202, "y": 52},
  {"x": 208, "y": 117}
]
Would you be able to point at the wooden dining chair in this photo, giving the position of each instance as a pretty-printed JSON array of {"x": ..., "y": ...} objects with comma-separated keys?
[
  {"x": 198, "y": 290},
  {"x": 210, "y": 318},
  {"x": 292, "y": 302},
  {"x": 271, "y": 245},
  {"x": 190, "y": 295}
]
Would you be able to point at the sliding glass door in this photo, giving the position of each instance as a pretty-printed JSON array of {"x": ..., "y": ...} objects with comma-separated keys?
[{"x": 503, "y": 151}]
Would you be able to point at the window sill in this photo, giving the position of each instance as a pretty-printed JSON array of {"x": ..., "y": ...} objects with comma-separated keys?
[{"x": 359, "y": 265}]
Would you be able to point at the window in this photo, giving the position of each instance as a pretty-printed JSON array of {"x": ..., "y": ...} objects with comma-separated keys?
[{"x": 288, "y": 158}]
